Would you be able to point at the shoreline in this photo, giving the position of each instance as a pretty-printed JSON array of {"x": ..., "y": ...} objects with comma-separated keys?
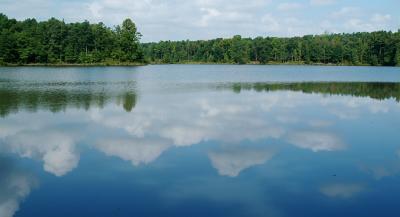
[
  {"x": 179, "y": 63},
  {"x": 72, "y": 64}
]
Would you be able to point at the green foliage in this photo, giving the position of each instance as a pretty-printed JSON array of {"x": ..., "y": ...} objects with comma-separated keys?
[
  {"x": 376, "y": 48},
  {"x": 397, "y": 59},
  {"x": 128, "y": 39},
  {"x": 397, "y": 56},
  {"x": 54, "y": 41}
]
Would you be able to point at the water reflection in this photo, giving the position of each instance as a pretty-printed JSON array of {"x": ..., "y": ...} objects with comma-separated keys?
[
  {"x": 374, "y": 90},
  {"x": 59, "y": 96},
  {"x": 342, "y": 190},
  {"x": 141, "y": 137},
  {"x": 316, "y": 141},
  {"x": 232, "y": 161},
  {"x": 15, "y": 186},
  {"x": 257, "y": 138},
  {"x": 55, "y": 148}
]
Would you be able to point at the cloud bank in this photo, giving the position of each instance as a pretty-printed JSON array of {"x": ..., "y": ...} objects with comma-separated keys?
[{"x": 204, "y": 19}]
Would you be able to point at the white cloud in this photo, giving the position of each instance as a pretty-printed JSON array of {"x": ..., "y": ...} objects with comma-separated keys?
[
  {"x": 374, "y": 23},
  {"x": 381, "y": 18},
  {"x": 316, "y": 141},
  {"x": 133, "y": 150},
  {"x": 320, "y": 123},
  {"x": 15, "y": 186},
  {"x": 95, "y": 9},
  {"x": 288, "y": 6},
  {"x": 381, "y": 170},
  {"x": 377, "y": 107},
  {"x": 209, "y": 14},
  {"x": 194, "y": 121},
  {"x": 347, "y": 107},
  {"x": 204, "y": 19},
  {"x": 270, "y": 23},
  {"x": 55, "y": 149},
  {"x": 346, "y": 12},
  {"x": 322, "y": 2},
  {"x": 345, "y": 114},
  {"x": 341, "y": 190},
  {"x": 232, "y": 162}
]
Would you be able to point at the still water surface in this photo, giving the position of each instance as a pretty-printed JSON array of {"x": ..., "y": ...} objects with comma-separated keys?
[{"x": 198, "y": 140}]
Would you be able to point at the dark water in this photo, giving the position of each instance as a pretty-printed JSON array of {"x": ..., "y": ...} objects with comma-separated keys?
[{"x": 199, "y": 141}]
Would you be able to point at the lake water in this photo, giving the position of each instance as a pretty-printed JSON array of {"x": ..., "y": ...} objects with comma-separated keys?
[{"x": 200, "y": 140}]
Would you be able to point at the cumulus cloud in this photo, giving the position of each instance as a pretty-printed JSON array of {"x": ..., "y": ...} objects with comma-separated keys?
[
  {"x": 57, "y": 150},
  {"x": 316, "y": 141},
  {"x": 288, "y": 6},
  {"x": 232, "y": 162},
  {"x": 380, "y": 172},
  {"x": 375, "y": 22},
  {"x": 352, "y": 107},
  {"x": 322, "y": 2},
  {"x": 341, "y": 190},
  {"x": 320, "y": 123},
  {"x": 381, "y": 18},
  {"x": 133, "y": 150},
  {"x": 162, "y": 121},
  {"x": 222, "y": 118},
  {"x": 15, "y": 186},
  {"x": 204, "y": 19},
  {"x": 194, "y": 121},
  {"x": 346, "y": 12}
]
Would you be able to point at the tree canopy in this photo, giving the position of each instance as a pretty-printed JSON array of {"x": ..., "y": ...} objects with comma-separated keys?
[
  {"x": 54, "y": 41},
  {"x": 375, "y": 48}
]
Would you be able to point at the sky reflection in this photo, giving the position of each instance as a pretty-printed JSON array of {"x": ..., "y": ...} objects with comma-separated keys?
[{"x": 251, "y": 148}]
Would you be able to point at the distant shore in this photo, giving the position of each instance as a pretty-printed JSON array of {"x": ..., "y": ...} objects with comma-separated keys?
[
  {"x": 178, "y": 63},
  {"x": 258, "y": 63},
  {"x": 71, "y": 64}
]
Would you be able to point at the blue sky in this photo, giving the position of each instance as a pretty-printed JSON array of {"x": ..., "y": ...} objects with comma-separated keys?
[{"x": 205, "y": 19}]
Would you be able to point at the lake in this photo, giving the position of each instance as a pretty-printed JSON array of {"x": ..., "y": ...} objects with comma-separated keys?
[{"x": 199, "y": 140}]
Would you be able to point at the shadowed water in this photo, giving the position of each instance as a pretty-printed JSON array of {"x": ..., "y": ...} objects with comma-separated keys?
[{"x": 199, "y": 140}]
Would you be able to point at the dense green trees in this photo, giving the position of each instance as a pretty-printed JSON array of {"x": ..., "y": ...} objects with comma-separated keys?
[
  {"x": 397, "y": 57},
  {"x": 376, "y": 48},
  {"x": 54, "y": 41}
]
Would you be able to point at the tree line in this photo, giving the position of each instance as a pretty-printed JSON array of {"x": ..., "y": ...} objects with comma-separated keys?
[
  {"x": 54, "y": 41},
  {"x": 376, "y": 48}
]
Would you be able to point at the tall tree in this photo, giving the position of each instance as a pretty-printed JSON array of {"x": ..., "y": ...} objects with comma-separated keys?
[{"x": 129, "y": 41}]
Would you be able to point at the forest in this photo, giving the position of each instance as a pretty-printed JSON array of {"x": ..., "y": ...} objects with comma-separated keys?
[
  {"x": 56, "y": 42},
  {"x": 377, "y": 48}
]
